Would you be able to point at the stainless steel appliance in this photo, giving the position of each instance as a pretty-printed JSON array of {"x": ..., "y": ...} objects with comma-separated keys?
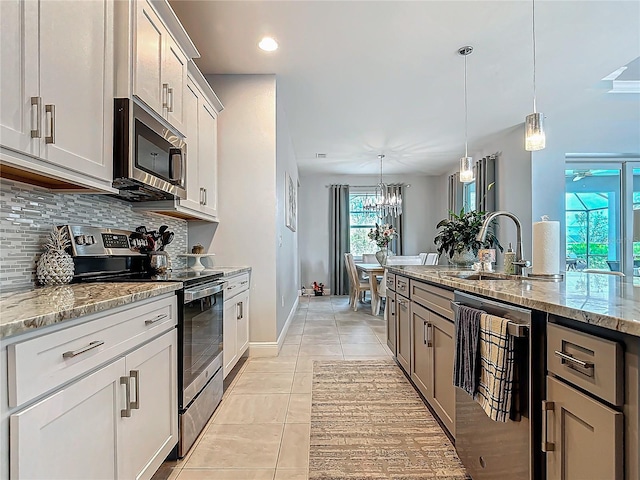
[
  {"x": 104, "y": 254},
  {"x": 149, "y": 159},
  {"x": 493, "y": 450}
]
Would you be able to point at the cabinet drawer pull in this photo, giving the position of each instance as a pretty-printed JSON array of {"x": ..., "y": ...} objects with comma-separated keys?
[
  {"x": 170, "y": 94},
  {"x": 204, "y": 190},
  {"x": 126, "y": 412},
  {"x": 429, "y": 335},
  {"x": 91, "y": 346},
  {"x": 546, "y": 407},
  {"x": 244, "y": 282},
  {"x": 36, "y": 102},
  {"x": 201, "y": 196},
  {"x": 402, "y": 286},
  {"x": 575, "y": 361},
  {"x": 51, "y": 110},
  {"x": 165, "y": 95},
  {"x": 135, "y": 374},
  {"x": 157, "y": 319}
]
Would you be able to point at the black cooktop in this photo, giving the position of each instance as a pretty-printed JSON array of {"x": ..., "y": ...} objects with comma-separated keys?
[{"x": 186, "y": 276}]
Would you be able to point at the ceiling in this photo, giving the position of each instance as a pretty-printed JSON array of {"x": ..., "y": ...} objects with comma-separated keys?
[{"x": 360, "y": 78}]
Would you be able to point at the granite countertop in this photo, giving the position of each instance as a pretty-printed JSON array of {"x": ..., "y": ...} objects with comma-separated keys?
[
  {"x": 26, "y": 310},
  {"x": 231, "y": 271},
  {"x": 608, "y": 301}
]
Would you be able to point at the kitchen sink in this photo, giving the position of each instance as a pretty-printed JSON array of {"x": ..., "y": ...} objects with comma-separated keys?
[{"x": 480, "y": 276}]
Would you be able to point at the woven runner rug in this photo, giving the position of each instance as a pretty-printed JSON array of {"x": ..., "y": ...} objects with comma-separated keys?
[{"x": 368, "y": 422}]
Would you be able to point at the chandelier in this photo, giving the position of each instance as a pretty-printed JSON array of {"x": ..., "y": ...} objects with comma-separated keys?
[{"x": 387, "y": 200}]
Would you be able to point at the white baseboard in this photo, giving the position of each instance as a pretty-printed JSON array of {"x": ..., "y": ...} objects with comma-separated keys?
[
  {"x": 263, "y": 349},
  {"x": 271, "y": 349}
]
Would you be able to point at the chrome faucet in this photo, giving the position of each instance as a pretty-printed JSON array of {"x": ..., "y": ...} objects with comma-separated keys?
[{"x": 520, "y": 263}]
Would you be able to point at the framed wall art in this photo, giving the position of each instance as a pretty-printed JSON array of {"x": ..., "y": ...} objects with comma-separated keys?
[{"x": 291, "y": 202}]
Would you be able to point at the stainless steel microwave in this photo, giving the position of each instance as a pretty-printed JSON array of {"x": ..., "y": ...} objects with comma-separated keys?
[{"x": 149, "y": 159}]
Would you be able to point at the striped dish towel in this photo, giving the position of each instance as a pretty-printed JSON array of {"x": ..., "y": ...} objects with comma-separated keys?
[{"x": 496, "y": 367}]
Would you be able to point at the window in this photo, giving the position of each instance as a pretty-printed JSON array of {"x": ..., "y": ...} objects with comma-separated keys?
[
  {"x": 469, "y": 196},
  {"x": 592, "y": 214},
  {"x": 361, "y": 221}
]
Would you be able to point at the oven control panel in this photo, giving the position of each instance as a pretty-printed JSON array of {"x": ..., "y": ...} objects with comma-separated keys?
[{"x": 95, "y": 242}]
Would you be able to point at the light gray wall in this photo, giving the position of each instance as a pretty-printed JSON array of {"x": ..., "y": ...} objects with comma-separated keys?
[
  {"x": 420, "y": 216},
  {"x": 246, "y": 234},
  {"x": 287, "y": 260}
]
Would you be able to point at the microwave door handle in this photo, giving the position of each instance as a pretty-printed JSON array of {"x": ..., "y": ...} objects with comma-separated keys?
[{"x": 177, "y": 173}]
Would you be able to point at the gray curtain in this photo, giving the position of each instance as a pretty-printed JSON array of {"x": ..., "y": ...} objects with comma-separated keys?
[
  {"x": 485, "y": 188},
  {"x": 455, "y": 193},
  {"x": 397, "y": 244},
  {"x": 338, "y": 238}
]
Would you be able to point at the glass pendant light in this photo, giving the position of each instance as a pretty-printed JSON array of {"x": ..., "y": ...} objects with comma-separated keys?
[
  {"x": 466, "y": 162},
  {"x": 534, "y": 137}
]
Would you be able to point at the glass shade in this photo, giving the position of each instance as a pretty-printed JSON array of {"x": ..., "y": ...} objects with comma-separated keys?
[
  {"x": 534, "y": 138},
  {"x": 466, "y": 169}
]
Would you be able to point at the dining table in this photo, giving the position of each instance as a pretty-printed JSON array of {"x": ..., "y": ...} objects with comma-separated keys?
[{"x": 374, "y": 270}]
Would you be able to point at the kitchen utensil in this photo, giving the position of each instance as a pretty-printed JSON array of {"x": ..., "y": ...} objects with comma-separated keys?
[
  {"x": 162, "y": 229},
  {"x": 167, "y": 238},
  {"x": 142, "y": 229}
]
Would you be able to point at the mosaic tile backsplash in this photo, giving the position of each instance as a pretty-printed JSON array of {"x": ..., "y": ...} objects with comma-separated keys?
[{"x": 28, "y": 213}]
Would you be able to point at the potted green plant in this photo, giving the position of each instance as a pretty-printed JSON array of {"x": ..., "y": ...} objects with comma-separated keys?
[{"x": 457, "y": 237}]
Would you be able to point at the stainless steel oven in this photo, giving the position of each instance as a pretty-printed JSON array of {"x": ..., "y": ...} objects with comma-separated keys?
[
  {"x": 201, "y": 374},
  {"x": 149, "y": 158}
]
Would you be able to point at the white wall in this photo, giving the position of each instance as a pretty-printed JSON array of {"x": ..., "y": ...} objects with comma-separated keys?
[
  {"x": 420, "y": 212},
  {"x": 247, "y": 208},
  {"x": 287, "y": 260}
]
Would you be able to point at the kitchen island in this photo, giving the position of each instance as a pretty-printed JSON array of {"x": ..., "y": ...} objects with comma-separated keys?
[{"x": 579, "y": 357}]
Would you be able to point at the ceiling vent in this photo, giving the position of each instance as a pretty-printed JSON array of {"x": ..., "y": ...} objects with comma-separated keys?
[{"x": 321, "y": 155}]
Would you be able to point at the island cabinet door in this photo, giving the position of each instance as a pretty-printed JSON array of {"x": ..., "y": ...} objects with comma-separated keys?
[
  {"x": 582, "y": 437},
  {"x": 440, "y": 335},
  {"x": 390, "y": 314},
  {"x": 421, "y": 361},
  {"x": 41, "y": 444},
  {"x": 403, "y": 329}
]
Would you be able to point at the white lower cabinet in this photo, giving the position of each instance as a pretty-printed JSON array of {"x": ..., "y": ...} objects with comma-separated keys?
[
  {"x": 71, "y": 434},
  {"x": 149, "y": 434},
  {"x": 235, "y": 330},
  {"x": 119, "y": 421}
]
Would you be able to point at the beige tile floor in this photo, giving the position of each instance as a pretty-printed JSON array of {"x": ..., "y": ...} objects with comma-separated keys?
[{"x": 261, "y": 428}]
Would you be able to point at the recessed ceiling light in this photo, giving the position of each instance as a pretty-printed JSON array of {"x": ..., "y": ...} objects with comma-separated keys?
[{"x": 268, "y": 44}]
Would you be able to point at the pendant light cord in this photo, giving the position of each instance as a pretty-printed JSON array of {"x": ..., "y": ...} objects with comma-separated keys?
[
  {"x": 533, "y": 15},
  {"x": 465, "y": 106}
]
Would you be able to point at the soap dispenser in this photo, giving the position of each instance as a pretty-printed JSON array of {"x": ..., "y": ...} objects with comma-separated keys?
[{"x": 509, "y": 257}]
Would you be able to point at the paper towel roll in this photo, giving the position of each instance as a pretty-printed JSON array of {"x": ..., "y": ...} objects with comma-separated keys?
[{"x": 546, "y": 248}]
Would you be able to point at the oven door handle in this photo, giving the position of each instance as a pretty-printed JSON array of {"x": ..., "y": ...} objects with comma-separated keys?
[{"x": 207, "y": 290}]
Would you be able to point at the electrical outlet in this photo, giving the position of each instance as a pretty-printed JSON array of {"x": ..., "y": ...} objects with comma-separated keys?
[{"x": 282, "y": 300}]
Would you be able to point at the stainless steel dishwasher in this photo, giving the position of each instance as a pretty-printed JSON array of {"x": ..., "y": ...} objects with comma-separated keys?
[{"x": 493, "y": 450}]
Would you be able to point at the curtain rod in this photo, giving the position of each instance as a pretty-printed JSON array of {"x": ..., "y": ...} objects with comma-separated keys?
[{"x": 408, "y": 185}]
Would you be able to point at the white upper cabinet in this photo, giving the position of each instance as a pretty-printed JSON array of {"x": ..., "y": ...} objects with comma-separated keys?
[
  {"x": 159, "y": 66},
  {"x": 208, "y": 158},
  {"x": 56, "y": 99},
  {"x": 149, "y": 42}
]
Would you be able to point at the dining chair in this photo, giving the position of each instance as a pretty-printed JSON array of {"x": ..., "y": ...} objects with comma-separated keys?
[
  {"x": 358, "y": 287},
  {"x": 404, "y": 260},
  {"x": 429, "y": 258},
  {"x": 369, "y": 258},
  {"x": 605, "y": 272}
]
